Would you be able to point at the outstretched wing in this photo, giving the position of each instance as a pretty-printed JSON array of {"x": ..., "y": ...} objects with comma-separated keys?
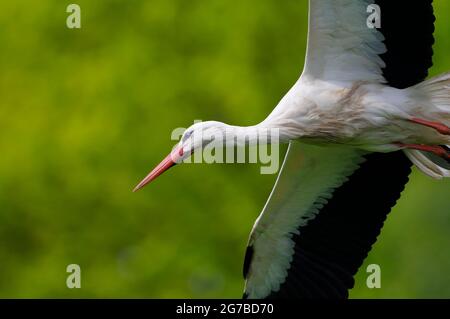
[
  {"x": 342, "y": 46},
  {"x": 322, "y": 218},
  {"x": 310, "y": 175}
]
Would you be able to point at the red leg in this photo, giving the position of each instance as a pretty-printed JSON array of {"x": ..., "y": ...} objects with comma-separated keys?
[
  {"x": 435, "y": 149},
  {"x": 441, "y": 128}
]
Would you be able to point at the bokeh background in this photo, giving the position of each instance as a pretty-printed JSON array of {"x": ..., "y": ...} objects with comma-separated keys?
[{"x": 85, "y": 114}]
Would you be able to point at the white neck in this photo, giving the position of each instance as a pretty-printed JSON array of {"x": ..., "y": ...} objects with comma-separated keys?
[{"x": 267, "y": 132}]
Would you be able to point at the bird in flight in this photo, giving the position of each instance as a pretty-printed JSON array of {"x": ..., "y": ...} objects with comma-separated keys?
[{"x": 360, "y": 115}]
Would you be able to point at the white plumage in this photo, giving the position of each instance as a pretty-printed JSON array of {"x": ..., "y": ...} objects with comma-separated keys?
[{"x": 341, "y": 47}]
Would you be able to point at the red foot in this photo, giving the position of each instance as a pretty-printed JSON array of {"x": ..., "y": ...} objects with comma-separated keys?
[
  {"x": 437, "y": 150},
  {"x": 441, "y": 128}
]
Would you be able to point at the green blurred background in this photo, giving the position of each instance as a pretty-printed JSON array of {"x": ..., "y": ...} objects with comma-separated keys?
[{"x": 85, "y": 114}]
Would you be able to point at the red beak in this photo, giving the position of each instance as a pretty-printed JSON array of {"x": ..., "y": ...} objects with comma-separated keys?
[{"x": 171, "y": 160}]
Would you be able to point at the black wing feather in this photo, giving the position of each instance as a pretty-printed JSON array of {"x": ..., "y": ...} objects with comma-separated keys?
[{"x": 365, "y": 200}]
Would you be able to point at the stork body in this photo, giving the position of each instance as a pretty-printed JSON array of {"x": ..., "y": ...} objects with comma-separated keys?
[
  {"x": 359, "y": 107},
  {"x": 364, "y": 115}
]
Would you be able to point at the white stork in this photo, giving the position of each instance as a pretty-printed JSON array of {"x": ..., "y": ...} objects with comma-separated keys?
[{"x": 358, "y": 116}]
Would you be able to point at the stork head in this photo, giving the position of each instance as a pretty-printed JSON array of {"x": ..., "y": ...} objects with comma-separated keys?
[{"x": 195, "y": 137}]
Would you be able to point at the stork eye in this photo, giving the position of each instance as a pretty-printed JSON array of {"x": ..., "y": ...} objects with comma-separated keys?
[{"x": 187, "y": 135}]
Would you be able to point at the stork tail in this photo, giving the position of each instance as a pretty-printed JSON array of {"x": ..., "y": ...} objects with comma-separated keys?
[{"x": 437, "y": 91}]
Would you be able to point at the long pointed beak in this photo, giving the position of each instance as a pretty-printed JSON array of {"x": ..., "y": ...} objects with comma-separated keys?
[{"x": 171, "y": 160}]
